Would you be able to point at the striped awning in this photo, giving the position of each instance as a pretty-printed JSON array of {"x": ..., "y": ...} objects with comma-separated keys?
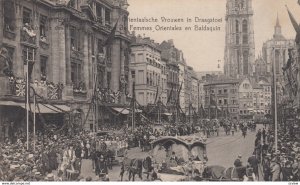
[{"x": 40, "y": 108}]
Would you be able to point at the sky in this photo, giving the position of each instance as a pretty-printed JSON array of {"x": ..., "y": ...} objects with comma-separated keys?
[{"x": 203, "y": 49}]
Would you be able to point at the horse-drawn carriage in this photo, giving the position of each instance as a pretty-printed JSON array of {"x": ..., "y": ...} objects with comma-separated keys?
[{"x": 179, "y": 158}]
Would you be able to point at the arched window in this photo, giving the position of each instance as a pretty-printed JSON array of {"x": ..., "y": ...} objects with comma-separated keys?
[
  {"x": 237, "y": 2},
  {"x": 242, "y": 4},
  {"x": 245, "y": 26},
  {"x": 245, "y": 62},
  {"x": 237, "y": 25},
  {"x": 245, "y": 39},
  {"x": 237, "y": 39}
]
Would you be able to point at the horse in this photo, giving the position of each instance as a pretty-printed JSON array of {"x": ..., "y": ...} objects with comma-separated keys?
[
  {"x": 135, "y": 166},
  {"x": 220, "y": 173},
  {"x": 147, "y": 164}
]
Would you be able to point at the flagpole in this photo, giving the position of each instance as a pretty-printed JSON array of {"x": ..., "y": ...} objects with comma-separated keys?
[
  {"x": 27, "y": 98},
  {"x": 34, "y": 122},
  {"x": 275, "y": 101}
]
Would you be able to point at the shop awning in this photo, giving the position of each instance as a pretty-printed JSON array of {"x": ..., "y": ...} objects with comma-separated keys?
[
  {"x": 121, "y": 110},
  {"x": 11, "y": 103},
  {"x": 40, "y": 108},
  {"x": 48, "y": 109},
  {"x": 167, "y": 114}
]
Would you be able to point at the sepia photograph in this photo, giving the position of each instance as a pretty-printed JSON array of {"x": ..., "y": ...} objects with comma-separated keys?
[{"x": 149, "y": 90}]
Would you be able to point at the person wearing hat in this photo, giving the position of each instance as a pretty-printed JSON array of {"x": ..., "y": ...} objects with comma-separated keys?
[
  {"x": 287, "y": 171},
  {"x": 238, "y": 163},
  {"x": 295, "y": 176},
  {"x": 275, "y": 169},
  {"x": 253, "y": 161},
  {"x": 267, "y": 168}
]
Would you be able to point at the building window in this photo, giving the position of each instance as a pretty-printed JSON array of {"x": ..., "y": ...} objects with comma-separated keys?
[
  {"x": 245, "y": 39},
  {"x": 43, "y": 26},
  {"x": 74, "y": 34},
  {"x": 100, "y": 46},
  {"x": 245, "y": 26},
  {"x": 9, "y": 15},
  {"x": 237, "y": 25},
  {"x": 245, "y": 59},
  {"x": 225, "y": 101},
  {"x": 225, "y": 91},
  {"x": 99, "y": 13},
  {"x": 220, "y": 91},
  {"x": 93, "y": 45},
  {"x": 43, "y": 65},
  {"x": 237, "y": 39},
  {"x": 76, "y": 72},
  {"x": 107, "y": 17},
  {"x": 108, "y": 79},
  {"x": 220, "y": 102},
  {"x": 27, "y": 16}
]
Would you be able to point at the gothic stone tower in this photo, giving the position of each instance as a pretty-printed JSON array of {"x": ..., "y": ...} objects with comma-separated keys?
[{"x": 239, "y": 42}]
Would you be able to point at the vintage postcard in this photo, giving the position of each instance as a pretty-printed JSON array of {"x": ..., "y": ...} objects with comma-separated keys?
[{"x": 149, "y": 90}]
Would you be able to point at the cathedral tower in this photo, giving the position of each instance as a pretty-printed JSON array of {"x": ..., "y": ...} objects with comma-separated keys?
[{"x": 239, "y": 53}]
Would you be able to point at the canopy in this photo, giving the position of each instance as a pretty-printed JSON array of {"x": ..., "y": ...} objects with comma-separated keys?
[
  {"x": 121, "y": 110},
  {"x": 183, "y": 147},
  {"x": 48, "y": 109},
  {"x": 40, "y": 108}
]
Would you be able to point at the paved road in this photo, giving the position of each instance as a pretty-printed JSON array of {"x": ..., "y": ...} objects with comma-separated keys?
[
  {"x": 222, "y": 150},
  {"x": 225, "y": 149}
]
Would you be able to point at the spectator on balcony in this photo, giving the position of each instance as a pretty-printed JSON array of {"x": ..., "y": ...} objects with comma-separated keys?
[{"x": 27, "y": 28}]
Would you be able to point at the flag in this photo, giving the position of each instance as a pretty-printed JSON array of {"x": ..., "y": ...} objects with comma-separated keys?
[
  {"x": 169, "y": 98},
  {"x": 111, "y": 36},
  {"x": 295, "y": 25},
  {"x": 156, "y": 96},
  {"x": 293, "y": 20}
]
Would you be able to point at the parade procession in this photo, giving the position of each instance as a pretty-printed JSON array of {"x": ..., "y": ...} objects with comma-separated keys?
[{"x": 83, "y": 97}]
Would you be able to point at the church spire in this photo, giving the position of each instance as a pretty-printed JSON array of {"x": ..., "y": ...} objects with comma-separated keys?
[
  {"x": 277, "y": 30},
  {"x": 277, "y": 21}
]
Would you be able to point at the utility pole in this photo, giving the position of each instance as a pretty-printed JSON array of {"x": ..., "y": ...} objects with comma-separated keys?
[{"x": 275, "y": 100}]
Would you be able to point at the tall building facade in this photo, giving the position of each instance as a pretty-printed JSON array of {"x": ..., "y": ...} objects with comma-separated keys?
[
  {"x": 221, "y": 99},
  {"x": 62, "y": 43},
  {"x": 149, "y": 71},
  {"x": 276, "y": 50},
  {"x": 171, "y": 56},
  {"x": 239, "y": 40}
]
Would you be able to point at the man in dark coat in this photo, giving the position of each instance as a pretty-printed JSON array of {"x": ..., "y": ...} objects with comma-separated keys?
[
  {"x": 254, "y": 164},
  {"x": 52, "y": 159},
  {"x": 258, "y": 135},
  {"x": 264, "y": 134},
  {"x": 287, "y": 171},
  {"x": 267, "y": 168}
]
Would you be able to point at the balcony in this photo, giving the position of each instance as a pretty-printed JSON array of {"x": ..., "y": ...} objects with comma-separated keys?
[
  {"x": 79, "y": 90},
  {"x": 108, "y": 96},
  {"x": 76, "y": 54},
  {"x": 45, "y": 89}
]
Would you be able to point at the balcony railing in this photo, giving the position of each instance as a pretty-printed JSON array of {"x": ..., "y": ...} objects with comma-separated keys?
[
  {"x": 108, "y": 96},
  {"x": 80, "y": 89},
  {"x": 44, "y": 89}
]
